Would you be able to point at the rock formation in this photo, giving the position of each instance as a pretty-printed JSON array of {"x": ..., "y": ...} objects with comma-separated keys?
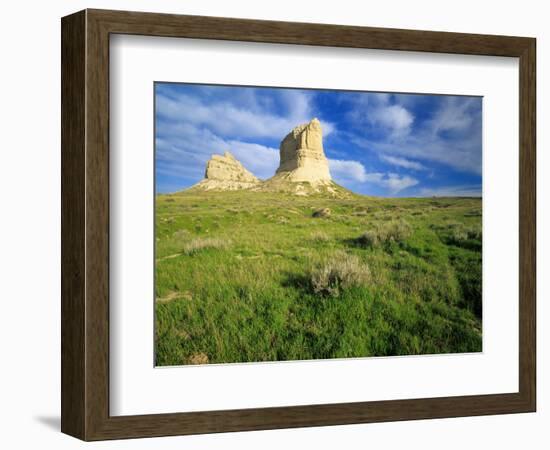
[
  {"x": 226, "y": 173},
  {"x": 303, "y": 168},
  {"x": 302, "y": 155}
]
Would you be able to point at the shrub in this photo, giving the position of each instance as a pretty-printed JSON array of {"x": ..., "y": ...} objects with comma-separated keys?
[
  {"x": 198, "y": 244},
  {"x": 474, "y": 233},
  {"x": 320, "y": 236},
  {"x": 338, "y": 274},
  {"x": 466, "y": 237},
  {"x": 458, "y": 235},
  {"x": 368, "y": 239},
  {"x": 394, "y": 231}
]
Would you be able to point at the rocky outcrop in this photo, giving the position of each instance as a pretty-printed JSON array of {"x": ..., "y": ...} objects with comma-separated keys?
[
  {"x": 302, "y": 156},
  {"x": 227, "y": 168},
  {"x": 226, "y": 173}
]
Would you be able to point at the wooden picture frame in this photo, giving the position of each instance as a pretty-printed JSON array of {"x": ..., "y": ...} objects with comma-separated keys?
[{"x": 85, "y": 224}]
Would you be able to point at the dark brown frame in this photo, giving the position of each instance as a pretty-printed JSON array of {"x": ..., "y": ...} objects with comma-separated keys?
[{"x": 85, "y": 224}]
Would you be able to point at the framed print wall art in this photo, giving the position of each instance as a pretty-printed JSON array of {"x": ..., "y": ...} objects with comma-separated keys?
[{"x": 270, "y": 224}]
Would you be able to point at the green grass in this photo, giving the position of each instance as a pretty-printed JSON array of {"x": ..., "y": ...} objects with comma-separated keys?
[{"x": 254, "y": 276}]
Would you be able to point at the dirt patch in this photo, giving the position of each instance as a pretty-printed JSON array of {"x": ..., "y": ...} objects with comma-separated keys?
[
  {"x": 168, "y": 298},
  {"x": 183, "y": 334},
  {"x": 198, "y": 358},
  {"x": 175, "y": 255},
  {"x": 171, "y": 296}
]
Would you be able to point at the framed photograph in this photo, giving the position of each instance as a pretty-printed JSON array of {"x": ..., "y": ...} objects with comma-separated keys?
[{"x": 272, "y": 225}]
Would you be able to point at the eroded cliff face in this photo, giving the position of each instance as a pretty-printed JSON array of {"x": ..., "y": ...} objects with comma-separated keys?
[
  {"x": 227, "y": 168},
  {"x": 226, "y": 173},
  {"x": 302, "y": 156}
]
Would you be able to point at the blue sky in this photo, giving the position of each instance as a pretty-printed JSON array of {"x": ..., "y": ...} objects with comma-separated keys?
[{"x": 385, "y": 144}]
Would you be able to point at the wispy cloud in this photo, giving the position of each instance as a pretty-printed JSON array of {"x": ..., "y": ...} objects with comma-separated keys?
[
  {"x": 402, "y": 162},
  {"x": 451, "y": 191},
  {"x": 451, "y": 136},
  {"x": 247, "y": 118},
  {"x": 344, "y": 171},
  {"x": 393, "y": 182},
  {"x": 455, "y": 114}
]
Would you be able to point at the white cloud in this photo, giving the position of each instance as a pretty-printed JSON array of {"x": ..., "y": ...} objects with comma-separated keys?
[
  {"x": 262, "y": 161},
  {"x": 327, "y": 127},
  {"x": 347, "y": 170},
  {"x": 296, "y": 102},
  {"x": 396, "y": 183},
  {"x": 394, "y": 117},
  {"x": 376, "y": 109},
  {"x": 222, "y": 118},
  {"x": 402, "y": 162},
  {"x": 353, "y": 171},
  {"x": 253, "y": 118}
]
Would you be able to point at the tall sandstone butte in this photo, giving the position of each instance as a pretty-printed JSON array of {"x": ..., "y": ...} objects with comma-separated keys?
[{"x": 302, "y": 156}]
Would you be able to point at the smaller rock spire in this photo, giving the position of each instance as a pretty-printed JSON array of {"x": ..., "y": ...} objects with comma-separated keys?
[{"x": 226, "y": 173}]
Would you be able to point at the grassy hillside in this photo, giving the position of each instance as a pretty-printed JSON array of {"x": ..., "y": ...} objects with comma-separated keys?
[{"x": 254, "y": 276}]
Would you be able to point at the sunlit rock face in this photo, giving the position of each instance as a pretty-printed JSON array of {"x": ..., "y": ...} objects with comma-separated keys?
[
  {"x": 226, "y": 173},
  {"x": 227, "y": 168},
  {"x": 302, "y": 156}
]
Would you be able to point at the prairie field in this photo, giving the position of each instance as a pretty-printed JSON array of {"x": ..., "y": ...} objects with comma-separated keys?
[{"x": 247, "y": 276}]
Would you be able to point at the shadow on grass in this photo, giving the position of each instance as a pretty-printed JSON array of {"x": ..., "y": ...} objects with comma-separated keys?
[
  {"x": 361, "y": 242},
  {"x": 298, "y": 281},
  {"x": 468, "y": 244}
]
